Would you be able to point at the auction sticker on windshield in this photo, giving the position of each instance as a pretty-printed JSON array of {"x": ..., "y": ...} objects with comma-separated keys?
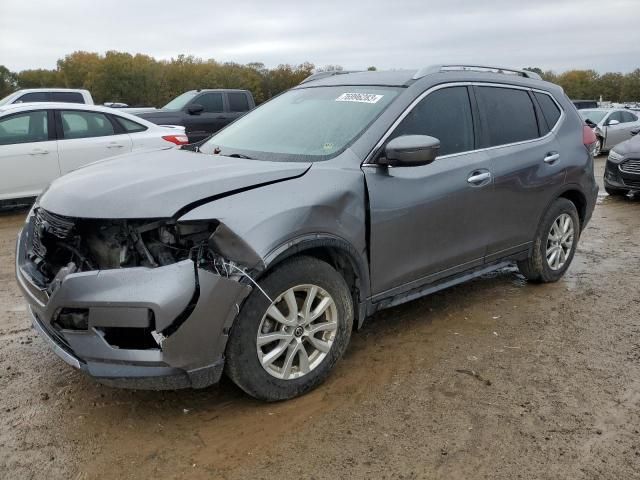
[{"x": 359, "y": 97}]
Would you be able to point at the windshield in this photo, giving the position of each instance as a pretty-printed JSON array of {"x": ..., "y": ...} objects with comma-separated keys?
[
  {"x": 180, "y": 101},
  {"x": 309, "y": 124},
  {"x": 593, "y": 115}
]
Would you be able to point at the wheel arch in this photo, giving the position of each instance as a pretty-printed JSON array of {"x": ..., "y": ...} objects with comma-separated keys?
[
  {"x": 578, "y": 198},
  {"x": 338, "y": 253}
]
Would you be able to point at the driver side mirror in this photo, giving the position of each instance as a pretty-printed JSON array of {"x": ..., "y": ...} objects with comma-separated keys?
[
  {"x": 611, "y": 123},
  {"x": 410, "y": 151},
  {"x": 195, "y": 109}
]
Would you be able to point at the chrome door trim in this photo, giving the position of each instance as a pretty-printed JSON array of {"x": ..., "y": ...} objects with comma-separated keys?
[{"x": 368, "y": 160}]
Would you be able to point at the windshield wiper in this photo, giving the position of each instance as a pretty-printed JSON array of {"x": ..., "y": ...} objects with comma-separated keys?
[{"x": 240, "y": 155}]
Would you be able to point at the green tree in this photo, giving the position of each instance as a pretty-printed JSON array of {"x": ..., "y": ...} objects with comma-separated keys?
[
  {"x": 8, "y": 81},
  {"x": 38, "y": 78}
]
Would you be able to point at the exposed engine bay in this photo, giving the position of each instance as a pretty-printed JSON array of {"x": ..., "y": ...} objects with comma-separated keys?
[{"x": 63, "y": 245}]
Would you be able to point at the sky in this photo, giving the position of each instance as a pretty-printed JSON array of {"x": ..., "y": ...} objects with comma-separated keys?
[{"x": 551, "y": 34}]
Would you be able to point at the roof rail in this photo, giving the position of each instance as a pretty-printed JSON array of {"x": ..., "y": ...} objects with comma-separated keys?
[
  {"x": 327, "y": 73},
  {"x": 476, "y": 68}
]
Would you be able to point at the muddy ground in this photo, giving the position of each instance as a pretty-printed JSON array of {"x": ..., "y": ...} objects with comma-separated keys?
[{"x": 557, "y": 391}]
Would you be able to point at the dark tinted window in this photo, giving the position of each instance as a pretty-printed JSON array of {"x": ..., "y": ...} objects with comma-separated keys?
[
  {"x": 24, "y": 128},
  {"x": 508, "y": 115},
  {"x": 32, "y": 97},
  {"x": 550, "y": 110},
  {"x": 629, "y": 117},
  {"x": 80, "y": 124},
  {"x": 129, "y": 125},
  {"x": 212, "y": 102},
  {"x": 238, "y": 102},
  {"x": 444, "y": 114},
  {"x": 615, "y": 116},
  {"x": 68, "y": 97}
]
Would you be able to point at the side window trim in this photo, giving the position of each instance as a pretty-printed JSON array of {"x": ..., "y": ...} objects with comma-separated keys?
[{"x": 374, "y": 152}]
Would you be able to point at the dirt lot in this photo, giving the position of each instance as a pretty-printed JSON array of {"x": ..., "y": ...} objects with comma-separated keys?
[{"x": 556, "y": 392}]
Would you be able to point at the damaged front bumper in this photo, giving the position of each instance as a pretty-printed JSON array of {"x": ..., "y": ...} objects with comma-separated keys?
[{"x": 181, "y": 313}]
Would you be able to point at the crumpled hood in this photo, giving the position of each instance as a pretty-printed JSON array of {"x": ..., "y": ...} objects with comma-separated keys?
[{"x": 157, "y": 184}]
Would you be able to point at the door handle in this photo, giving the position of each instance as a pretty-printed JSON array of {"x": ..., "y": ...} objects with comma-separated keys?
[
  {"x": 551, "y": 157},
  {"x": 477, "y": 177},
  {"x": 38, "y": 151},
  {"x": 115, "y": 145},
  {"x": 220, "y": 117}
]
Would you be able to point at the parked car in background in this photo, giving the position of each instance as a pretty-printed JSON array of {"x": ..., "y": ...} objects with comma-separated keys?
[
  {"x": 202, "y": 112},
  {"x": 338, "y": 198},
  {"x": 42, "y": 141},
  {"x": 622, "y": 171},
  {"x": 611, "y": 126},
  {"x": 580, "y": 104},
  {"x": 66, "y": 95}
]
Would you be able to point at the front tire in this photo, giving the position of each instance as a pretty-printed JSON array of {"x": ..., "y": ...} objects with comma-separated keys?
[
  {"x": 283, "y": 348},
  {"x": 554, "y": 245}
]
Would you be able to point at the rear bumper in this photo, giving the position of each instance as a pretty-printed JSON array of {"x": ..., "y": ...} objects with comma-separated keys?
[{"x": 193, "y": 307}]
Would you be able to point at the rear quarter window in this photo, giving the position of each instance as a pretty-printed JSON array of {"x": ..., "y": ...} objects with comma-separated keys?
[
  {"x": 129, "y": 126},
  {"x": 67, "y": 97},
  {"x": 508, "y": 115},
  {"x": 550, "y": 110}
]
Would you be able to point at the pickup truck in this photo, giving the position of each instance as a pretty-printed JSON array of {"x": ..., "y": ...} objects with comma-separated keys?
[
  {"x": 65, "y": 95},
  {"x": 202, "y": 112}
]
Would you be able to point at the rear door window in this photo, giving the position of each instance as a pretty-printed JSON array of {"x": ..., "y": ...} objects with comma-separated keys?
[
  {"x": 615, "y": 116},
  {"x": 212, "y": 102},
  {"x": 24, "y": 128},
  {"x": 444, "y": 114},
  {"x": 550, "y": 110},
  {"x": 32, "y": 97},
  {"x": 508, "y": 115},
  {"x": 629, "y": 117},
  {"x": 67, "y": 97},
  {"x": 81, "y": 124},
  {"x": 129, "y": 126},
  {"x": 238, "y": 102}
]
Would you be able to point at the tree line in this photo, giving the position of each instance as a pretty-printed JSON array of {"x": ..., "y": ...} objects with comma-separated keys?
[
  {"x": 141, "y": 80},
  {"x": 589, "y": 84}
]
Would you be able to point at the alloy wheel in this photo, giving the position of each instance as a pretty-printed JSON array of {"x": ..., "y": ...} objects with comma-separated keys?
[
  {"x": 297, "y": 331},
  {"x": 560, "y": 241}
]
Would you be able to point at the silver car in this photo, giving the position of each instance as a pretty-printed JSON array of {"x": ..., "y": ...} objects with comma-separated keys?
[{"x": 611, "y": 126}]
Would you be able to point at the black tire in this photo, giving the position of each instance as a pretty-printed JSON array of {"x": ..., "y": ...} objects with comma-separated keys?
[
  {"x": 536, "y": 268},
  {"x": 615, "y": 192},
  {"x": 243, "y": 366}
]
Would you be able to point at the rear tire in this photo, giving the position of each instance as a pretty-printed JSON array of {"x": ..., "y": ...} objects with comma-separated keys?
[
  {"x": 277, "y": 351},
  {"x": 615, "y": 192},
  {"x": 554, "y": 245}
]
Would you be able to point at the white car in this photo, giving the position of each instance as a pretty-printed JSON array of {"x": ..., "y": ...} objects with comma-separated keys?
[
  {"x": 66, "y": 95},
  {"x": 42, "y": 141}
]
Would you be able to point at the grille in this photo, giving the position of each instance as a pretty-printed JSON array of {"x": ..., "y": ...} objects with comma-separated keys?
[
  {"x": 631, "y": 166},
  {"x": 631, "y": 183},
  {"x": 51, "y": 224}
]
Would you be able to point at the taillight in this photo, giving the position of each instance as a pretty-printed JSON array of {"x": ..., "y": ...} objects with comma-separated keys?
[
  {"x": 588, "y": 136},
  {"x": 177, "y": 139}
]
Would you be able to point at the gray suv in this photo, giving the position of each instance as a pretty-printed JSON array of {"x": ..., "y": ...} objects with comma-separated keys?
[{"x": 259, "y": 254}]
